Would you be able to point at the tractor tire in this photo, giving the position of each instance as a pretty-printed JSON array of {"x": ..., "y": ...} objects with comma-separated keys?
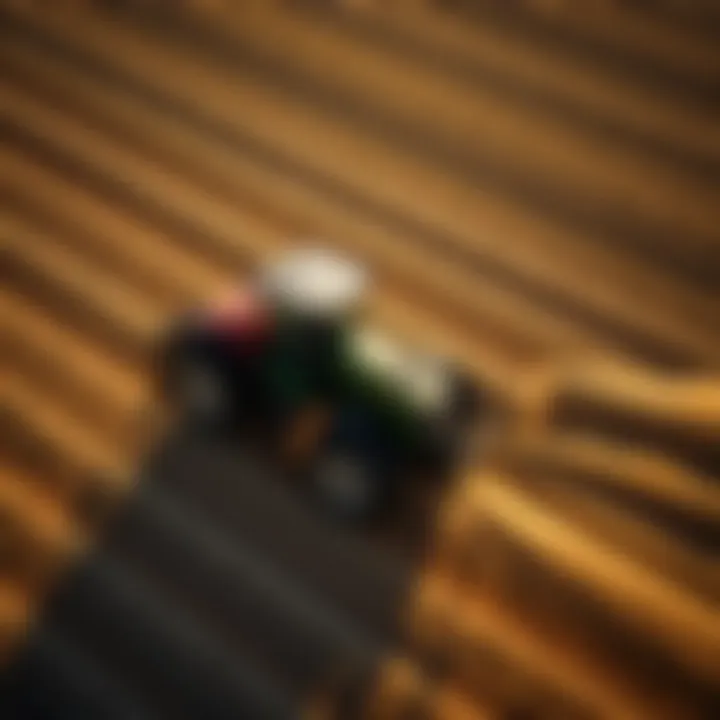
[{"x": 346, "y": 486}]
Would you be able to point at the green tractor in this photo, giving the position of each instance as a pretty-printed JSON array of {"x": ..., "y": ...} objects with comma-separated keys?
[{"x": 290, "y": 351}]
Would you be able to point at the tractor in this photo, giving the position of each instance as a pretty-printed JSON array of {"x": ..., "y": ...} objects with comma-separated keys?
[{"x": 289, "y": 353}]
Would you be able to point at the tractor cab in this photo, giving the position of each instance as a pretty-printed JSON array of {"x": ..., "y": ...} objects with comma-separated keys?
[{"x": 316, "y": 298}]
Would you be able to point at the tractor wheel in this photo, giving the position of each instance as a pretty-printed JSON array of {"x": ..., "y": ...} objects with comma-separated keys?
[
  {"x": 203, "y": 394},
  {"x": 346, "y": 486},
  {"x": 193, "y": 384},
  {"x": 452, "y": 435}
]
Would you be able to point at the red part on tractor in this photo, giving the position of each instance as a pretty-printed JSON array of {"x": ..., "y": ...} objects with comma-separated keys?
[{"x": 240, "y": 315}]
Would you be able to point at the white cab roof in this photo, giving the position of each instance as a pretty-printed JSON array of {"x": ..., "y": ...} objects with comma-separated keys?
[{"x": 316, "y": 282}]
